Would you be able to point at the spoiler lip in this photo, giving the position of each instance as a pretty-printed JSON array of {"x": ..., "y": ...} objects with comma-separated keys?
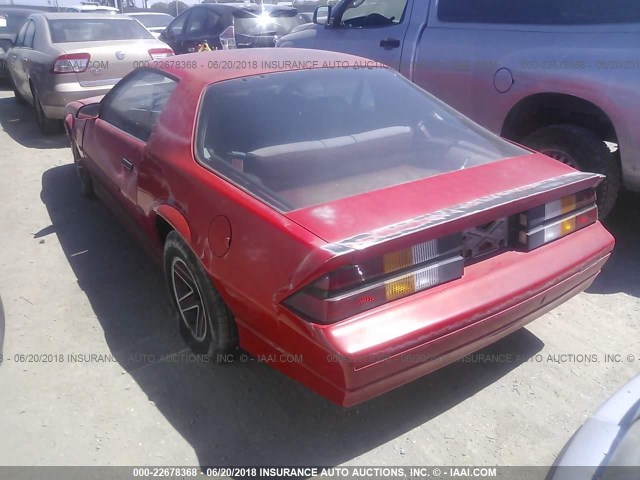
[{"x": 457, "y": 212}]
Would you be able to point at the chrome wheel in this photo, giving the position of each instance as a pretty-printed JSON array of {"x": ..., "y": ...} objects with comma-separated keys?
[
  {"x": 562, "y": 157},
  {"x": 189, "y": 300}
]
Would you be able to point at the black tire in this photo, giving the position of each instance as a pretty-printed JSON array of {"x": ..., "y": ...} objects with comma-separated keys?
[
  {"x": 20, "y": 100},
  {"x": 48, "y": 126},
  {"x": 86, "y": 182},
  {"x": 215, "y": 334},
  {"x": 582, "y": 149}
]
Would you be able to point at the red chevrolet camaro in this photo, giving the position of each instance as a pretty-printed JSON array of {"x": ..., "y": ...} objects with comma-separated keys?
[{"x": 332, "y": 218}]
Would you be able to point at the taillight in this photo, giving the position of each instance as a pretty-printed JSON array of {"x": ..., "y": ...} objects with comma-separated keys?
[
  {"x": 71, "y": 63},
  {"x": 557, "y": 219},
  {"x": 228, "y": 38},
  {"x": 353, "y": 289},
  {"x": 158, "y": 53}
]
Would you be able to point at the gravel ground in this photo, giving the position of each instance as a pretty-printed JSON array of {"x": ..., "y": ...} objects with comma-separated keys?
[{"x": 75, "y": 283}]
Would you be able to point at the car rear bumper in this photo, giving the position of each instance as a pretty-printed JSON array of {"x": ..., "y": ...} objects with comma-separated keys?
[
  {"x": 368, "y": 355},
  {"x": 418, "y": 361},
  {"x": 55, "y": 99}
]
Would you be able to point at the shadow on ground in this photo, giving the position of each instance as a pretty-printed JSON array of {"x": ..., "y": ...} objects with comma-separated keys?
[
  {"x": 622, "y": 271},
  {"x": 19, "y": 122},
  {"x": 244, "y": 413}
]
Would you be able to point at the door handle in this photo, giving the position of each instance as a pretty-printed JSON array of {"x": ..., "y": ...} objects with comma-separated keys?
[
  {"x": 127, "y": 164},
  {"x": 390, "y": 43}
]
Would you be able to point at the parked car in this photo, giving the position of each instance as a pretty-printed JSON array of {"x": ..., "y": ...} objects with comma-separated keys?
[
  {"x": 11, "y": 19},
  {"x": 556, "y": 75},
  {"x": 607, "y": 446},
  {"x": 94, "y": 9},
  {"x": 224, "y": 26},
  {"x": 153, "y": 21},
  {"x": 62, "y": 57},
  {"x": 390, "y": 234}
]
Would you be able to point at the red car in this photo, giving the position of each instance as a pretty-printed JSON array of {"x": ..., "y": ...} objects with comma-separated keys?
[{"x": 330, "y": 217}]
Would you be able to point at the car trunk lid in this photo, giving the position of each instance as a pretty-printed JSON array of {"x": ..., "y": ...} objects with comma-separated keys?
[
  {"x": 108, "y": 63},
  {"x": 465, "y": 197},
  {"x": 387, "y": 244}
]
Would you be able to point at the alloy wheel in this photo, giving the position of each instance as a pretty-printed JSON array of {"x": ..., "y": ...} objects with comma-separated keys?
[{"x": 189, "y": 300}]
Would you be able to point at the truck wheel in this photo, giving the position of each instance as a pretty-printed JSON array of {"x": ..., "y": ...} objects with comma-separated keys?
[
  {"x": 582, "y": 149},
  {"x": 204, "y": 321}
]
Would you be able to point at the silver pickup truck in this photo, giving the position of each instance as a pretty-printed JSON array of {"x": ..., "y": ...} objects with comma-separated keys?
[{"x": 560, "y": 76}]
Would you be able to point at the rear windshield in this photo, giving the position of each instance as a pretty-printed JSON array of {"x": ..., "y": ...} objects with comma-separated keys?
[
  {"x": 153, "y": 21},
  {"x": 300, "y": 138},
  {"x": 11, "y": 22},
  {"x": 278, "y": 23},
  {"x": 96, "y": 30}
]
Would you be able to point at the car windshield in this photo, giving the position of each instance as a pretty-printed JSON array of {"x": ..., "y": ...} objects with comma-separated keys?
[
  {"x": 301, "y": 138},
  {"x": 154, "y": 21},
  {"x": 278, "y": 23},
  {"x": 96, "y": 30},
  {"x": 11, "y": 22}
]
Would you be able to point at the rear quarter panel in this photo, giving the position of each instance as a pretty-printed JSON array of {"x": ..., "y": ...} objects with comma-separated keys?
[
  {"x": 41, "y": 58},
  {"x": 265, "y": 250}
]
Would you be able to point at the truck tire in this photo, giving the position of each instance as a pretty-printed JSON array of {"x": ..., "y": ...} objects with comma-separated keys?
[{"x": 582, "y": 149}]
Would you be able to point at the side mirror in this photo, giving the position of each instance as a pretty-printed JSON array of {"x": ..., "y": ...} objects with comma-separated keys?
[
  {"x": 322, "y": 15},
  {"x": 92, "y": 110}
]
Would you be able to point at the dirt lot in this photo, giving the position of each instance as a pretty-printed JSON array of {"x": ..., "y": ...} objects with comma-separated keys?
[{"x": 73, "y": 282}]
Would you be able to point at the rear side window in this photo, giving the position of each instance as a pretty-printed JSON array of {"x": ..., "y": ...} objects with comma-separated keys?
[
  {"x": 21, "y": 35},
  {"x": 301, "y": 138},
  {"x": 196, "y": 22},
  {"x": 540, "y": 12},
  {"x": 96, "y": 30},
  {"x": 176, "y": 27},
  {"x": 135, "y": 105},
  {"x": 30, "y": 34},
  {"x": 373, "y": 13}
]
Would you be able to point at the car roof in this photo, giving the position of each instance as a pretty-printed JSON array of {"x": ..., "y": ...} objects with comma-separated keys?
[
  {"x": 257, "y": 61},
  {"x": 5, "y": 10},
  {"x": 252, "y": 7},
  {"x": 133, "y": 14},
  {"x": 83, "y": 16},
  {"x": 91, "y": 7}
]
